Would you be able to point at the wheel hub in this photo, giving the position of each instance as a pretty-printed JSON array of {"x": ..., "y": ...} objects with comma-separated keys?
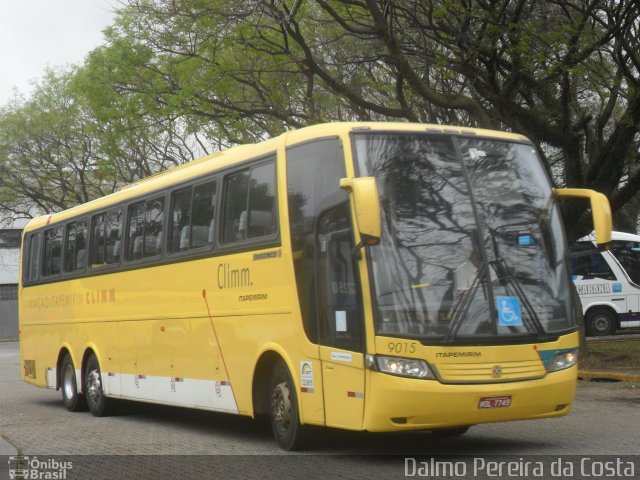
[
  {"x": 281, "y": 406},
  {"x": 67, "y": 382},
  {"x": 601, "y": 324},
  {"x": 94, "y": 385}
]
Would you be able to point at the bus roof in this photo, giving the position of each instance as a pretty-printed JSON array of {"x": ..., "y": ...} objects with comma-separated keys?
[{"x": 238, "y": 154}]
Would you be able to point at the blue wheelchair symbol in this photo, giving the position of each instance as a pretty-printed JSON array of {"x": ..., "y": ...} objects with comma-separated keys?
[{"x": 509, "y": 313}]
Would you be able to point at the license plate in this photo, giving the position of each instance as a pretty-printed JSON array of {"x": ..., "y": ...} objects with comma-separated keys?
[{"x": 495, "y": 402}]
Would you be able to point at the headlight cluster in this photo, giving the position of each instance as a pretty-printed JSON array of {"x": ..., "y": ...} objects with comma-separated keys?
[
  {"x": 403, "y": 367},
  {"x": 563, "y": 360}
]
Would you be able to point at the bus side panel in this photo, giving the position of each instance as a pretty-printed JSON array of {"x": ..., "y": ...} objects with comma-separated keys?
[
  {"x": 253, "y": 307},
  {"x": 39, "y": 347},
  {"x": 187, "y": 333},
  {"x": 50, "y": 321}
]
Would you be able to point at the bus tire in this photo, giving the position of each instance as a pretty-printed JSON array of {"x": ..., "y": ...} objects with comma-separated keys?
[
  {"x": 600, "y": 321},
  {"x": 99, "y": 405},
  {"x": 283, "y": 408},
  {"x": 73, "y": 400}
]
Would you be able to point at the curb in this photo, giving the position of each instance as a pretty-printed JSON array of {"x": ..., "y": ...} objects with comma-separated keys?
[{"x": 589, "y": 375}]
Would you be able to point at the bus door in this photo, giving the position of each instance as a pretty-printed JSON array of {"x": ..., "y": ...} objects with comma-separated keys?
[{"x": 340, "y": 321}]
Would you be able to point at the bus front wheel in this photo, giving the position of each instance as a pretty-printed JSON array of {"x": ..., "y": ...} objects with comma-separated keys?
[
  {"x": 99, "y": 405},
  {"x": 72, "y": 399},
  {"x": 600, "y": 321},
  {"x": 285, "y": 419}
]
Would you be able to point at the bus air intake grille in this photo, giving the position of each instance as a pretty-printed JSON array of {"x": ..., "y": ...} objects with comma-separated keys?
[{"x": 494, "y": 372}]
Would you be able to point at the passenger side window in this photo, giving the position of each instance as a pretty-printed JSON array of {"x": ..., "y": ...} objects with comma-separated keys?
[
  {"x": 193, "y": 217},
  {"x": 33, "y": 249},
  {"x": 52, "y": 251},
  {"x": 154, "y": 227},
  {"x": 180, "y": 220},
  {"x": 204, "y": 215},
  {"x": 249, "y": 204},
  {"x": 107, "y": 236},
  {"x": 135, "y": 230},
  {"x": 98, "y": 241},
  {"x": 113, "y": 235},
  {"x": 75, "y": 246},
  {"x": 145, "y": 227}
]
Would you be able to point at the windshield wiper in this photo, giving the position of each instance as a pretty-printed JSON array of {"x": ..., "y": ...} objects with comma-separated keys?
[
  {"x": 503, "y": 271},
  {"x": 532, "y": 321},
  {"x": 461, "y": 308},
  {"x": 504, "y": 274}
]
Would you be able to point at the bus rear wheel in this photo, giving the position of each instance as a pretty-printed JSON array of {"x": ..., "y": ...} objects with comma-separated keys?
[
  {"x": 99, "y": 405},
  {"x": 72, "y": 399},
  {"x": 600, "y": 321},
  {"x": 283, "y": 402}
]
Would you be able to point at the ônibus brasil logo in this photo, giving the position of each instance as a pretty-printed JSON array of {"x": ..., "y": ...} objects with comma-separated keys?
[{"x": 25, "y": 467}]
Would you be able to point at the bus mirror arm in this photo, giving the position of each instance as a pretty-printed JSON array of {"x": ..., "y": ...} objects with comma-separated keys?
[
  {"x": 600, "y": 210},
  {"x": 363, "y": 193}
]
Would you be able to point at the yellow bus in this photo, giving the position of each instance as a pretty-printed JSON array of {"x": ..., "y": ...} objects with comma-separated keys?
[{"x": 363, "y": 276}]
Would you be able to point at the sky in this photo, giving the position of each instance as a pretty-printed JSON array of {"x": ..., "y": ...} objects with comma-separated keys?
[{"x": 36, "y": 34}]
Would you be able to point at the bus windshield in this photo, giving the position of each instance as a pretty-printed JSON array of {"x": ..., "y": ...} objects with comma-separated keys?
[
  {"x": 628, "y": 255},
  {"x": 472, "y": 247}
]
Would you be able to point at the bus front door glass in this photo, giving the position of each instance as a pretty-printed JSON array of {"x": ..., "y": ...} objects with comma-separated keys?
[{"x": 340, "y": 323}]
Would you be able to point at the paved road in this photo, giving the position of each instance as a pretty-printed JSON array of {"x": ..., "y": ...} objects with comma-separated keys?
[{"x": 604, "y": 421}]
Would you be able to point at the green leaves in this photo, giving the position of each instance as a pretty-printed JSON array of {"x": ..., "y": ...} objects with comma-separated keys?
[{"x": 179, "y": 77}]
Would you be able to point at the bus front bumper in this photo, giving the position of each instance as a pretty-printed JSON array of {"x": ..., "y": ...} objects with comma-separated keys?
[{"x": 396, "y": 403}]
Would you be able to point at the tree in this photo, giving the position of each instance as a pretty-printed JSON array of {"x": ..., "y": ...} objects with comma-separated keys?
[
  {"x": 563, "y": 72},
  {"x": 179, "y": 77},
  {"x": 56, "y": 152},
  {"x": 48, "y": 156}
]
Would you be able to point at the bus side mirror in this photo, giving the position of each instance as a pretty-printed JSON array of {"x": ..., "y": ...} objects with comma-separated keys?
[
  {"x": 364, "y": 194},
  {"x": 600, "y": 210}
]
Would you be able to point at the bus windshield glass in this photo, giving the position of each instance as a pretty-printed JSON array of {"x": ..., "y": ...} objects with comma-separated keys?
[
  {"x": 628, "y": 255},
  {"x": 472, "y": 246}
]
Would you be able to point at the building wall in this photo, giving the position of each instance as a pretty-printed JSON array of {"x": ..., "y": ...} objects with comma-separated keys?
[
  {"x": 9, "y": 266},
  {"x": 9, "y": 258},
  {"x": 8, "y": 311}
]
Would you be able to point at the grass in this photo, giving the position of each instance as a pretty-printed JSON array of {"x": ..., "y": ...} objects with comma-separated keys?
[{"x": 619, "y": 355}]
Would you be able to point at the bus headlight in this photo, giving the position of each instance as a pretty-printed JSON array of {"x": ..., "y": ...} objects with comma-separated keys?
[
  {"x": 563, "y": 360},
  {"x": 403, "y": 367}
]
